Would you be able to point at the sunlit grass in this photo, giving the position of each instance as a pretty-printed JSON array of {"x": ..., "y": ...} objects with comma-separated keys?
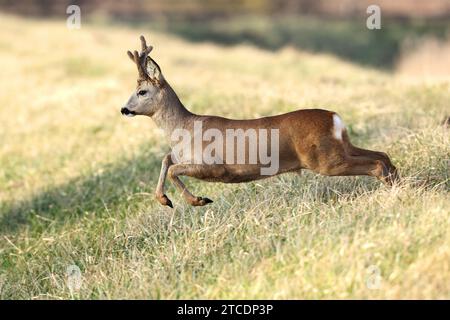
[{"x": 77, "y": 178}]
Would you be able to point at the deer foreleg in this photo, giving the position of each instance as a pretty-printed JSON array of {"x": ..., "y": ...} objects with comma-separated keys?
[
  {"x": 160, "y": 195},
  {"x": 205, "y": 172}
]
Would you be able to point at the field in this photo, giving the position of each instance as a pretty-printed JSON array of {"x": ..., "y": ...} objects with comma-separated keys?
[{"x": 77, "y": 178}]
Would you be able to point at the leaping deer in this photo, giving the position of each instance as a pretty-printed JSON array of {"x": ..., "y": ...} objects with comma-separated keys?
[{"x": 311, "y": 139}]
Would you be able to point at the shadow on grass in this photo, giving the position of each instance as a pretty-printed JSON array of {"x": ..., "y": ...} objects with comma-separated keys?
[
  {"x": 98, "y": 192},
  {"x": 348, "y": 39}
]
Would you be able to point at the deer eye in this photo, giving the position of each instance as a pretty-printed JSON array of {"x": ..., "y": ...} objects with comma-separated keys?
[{"x": 142, "y": 92}]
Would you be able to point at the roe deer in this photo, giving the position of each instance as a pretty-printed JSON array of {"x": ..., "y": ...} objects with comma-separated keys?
[{"x": 311, "y": 139}]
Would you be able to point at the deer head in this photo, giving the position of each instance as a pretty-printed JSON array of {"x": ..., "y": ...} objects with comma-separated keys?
[{"x": 150, "y": 84}]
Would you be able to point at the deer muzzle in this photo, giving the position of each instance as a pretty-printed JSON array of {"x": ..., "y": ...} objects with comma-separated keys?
[{"x": 126, "y": 112}]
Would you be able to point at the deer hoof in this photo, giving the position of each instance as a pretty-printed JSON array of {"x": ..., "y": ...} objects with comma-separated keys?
[
  {"x": 165, "y": 201},
  {"x": 207, "y": 200},
  {"x": 201, "y": 201}
]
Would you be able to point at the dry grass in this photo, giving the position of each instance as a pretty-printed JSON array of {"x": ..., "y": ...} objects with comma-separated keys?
[{"x": 77, "y": 179}]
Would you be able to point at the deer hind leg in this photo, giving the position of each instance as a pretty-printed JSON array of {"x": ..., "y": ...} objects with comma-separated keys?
[
  {"x": 376, "y": 155},
  {"x": 205, "y": 172},
  {"x": 160, "y": 195},
  {"x": 381, "y": 156},
  {"x": 336, "y": 160},
  {"x": 355, "y": 166}
]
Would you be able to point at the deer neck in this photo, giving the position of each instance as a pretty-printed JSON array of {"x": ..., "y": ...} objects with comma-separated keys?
[{"x": 172, "y": 114}]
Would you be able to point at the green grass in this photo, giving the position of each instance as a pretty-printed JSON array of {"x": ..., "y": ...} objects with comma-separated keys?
[{"x": 77, "y": 178}]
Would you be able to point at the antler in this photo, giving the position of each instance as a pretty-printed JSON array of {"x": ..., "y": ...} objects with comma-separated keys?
[{"x": 141, "y": 58}]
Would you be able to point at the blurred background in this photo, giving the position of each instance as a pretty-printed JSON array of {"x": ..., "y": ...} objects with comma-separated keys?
[{"x": 414, "y": 36}]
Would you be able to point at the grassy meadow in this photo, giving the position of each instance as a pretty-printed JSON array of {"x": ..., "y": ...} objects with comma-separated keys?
[{"x": 77, "y": 179}]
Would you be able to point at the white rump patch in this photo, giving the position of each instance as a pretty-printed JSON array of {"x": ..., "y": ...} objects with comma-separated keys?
[{"x": 338, "y": 127}]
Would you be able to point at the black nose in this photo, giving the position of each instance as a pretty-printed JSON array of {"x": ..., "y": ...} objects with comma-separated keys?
[{"x": 125, "y": 111}]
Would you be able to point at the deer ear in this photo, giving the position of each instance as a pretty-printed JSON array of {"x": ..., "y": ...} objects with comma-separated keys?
[{"x": 153, "y": 70}]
